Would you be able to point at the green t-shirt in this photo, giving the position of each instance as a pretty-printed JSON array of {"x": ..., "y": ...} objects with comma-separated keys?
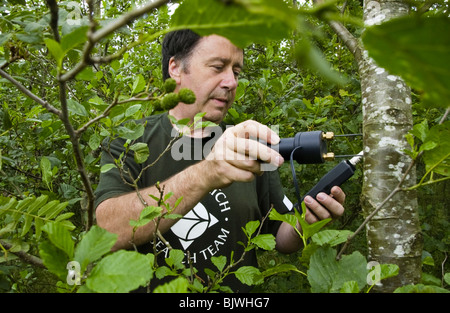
[{"x": 214, "y": 226}]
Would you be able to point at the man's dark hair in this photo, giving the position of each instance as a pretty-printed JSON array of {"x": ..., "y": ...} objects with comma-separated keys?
[{"x": 178, "y": 44}]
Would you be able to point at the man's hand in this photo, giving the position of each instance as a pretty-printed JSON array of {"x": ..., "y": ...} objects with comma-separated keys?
[
  {"x": 325, "y": 206},
  {"x": 237, "y": 154}
]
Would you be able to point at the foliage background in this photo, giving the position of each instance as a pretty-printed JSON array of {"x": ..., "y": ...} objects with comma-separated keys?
[{"x": 37, "y": 158}]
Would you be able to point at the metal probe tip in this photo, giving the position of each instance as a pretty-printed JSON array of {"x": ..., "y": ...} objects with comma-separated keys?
[{"x": 356, "y": 158}]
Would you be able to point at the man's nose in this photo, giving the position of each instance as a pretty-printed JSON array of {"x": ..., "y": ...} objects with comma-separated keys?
[{"x": 229, "y": 80}]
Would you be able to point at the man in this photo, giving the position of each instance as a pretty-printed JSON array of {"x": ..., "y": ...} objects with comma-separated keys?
[{"x": 221, "y": 192}]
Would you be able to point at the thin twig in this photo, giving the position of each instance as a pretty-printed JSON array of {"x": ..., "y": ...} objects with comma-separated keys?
[{"x": 31, "y": 95}]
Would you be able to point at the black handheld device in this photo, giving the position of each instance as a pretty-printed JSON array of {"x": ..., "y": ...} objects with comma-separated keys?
[{"x": 336, "y": 177}]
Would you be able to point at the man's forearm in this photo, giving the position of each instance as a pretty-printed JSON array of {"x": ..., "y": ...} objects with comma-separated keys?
[{"x": 114, "y": 214}]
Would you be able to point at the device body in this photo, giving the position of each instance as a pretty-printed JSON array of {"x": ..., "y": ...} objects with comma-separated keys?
[
  {"x": 307, "y": 147},
  {"x": 336, "y": 177}
]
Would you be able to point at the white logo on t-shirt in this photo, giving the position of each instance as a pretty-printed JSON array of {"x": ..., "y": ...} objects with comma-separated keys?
[{"x": 193, "y": 225}]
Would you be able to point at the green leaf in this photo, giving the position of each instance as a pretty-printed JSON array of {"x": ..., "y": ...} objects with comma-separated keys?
[
  {"x": 150, "y": 212},
  {"x": 73, "y": 39},
  {"x": 138, "y": 84},
  {"x": 331, "y": 237},
  {"x": 219, "y": 261},
  {"x": 8, "y": 206},
  {"x": 122, "y": 271},
  {"x": 264, "y": 241},
  {"x": 438, "y": 157},
  {"x": 54, "y": 259},
  {"x": 447, "y": 278},
  {"x": 55, "y": 49},
  {"x": 141, "y": 152},
  {"x": 420, "y": 288},
  {"x": 288, "y": 218},
  {"x": 350, "y": 287},
  {"x": 106, "y": 167},
  {"x": 178, "y": 285},
  {"x": 94, "y": 244},
  {"x": 249, "y": 275},
  {"x": 175, "y": 259},
  {"x": 94, "y": 141},
  {"x": 325, "y": 274},
  {"x": 46, "y": 170},
  {"x": 60, "y": 237},
  {"x": 76, "y": 108},
  {"x": 279, "y": 268},
  {"x": 405, "y": 48},
  {"x": 232, "y": 21},
  {"x": 132, "y": 110},
  {"x": 251, "y": 227},
  {"x": 131, "y": 130}
]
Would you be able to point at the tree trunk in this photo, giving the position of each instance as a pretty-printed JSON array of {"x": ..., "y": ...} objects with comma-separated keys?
[{"x": 393, "y": 234}]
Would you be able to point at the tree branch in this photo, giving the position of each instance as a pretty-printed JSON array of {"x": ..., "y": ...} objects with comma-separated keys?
[
  {"x": 96, "y": 36},
  {"x": 27, "y": 258},
  {"x": 350, "y": 41},
  {"x": 30, "y": 95},
  {"x": 53, "y": 6}
]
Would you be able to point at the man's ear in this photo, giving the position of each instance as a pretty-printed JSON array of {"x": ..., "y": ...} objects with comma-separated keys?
[{"x": 175, "y": 70}]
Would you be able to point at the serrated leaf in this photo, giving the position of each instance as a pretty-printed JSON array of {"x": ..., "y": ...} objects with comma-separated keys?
[
  {"x": 251, "y": 227},
  {"x": 350, "y": 287},
  {"x": 56, "y": 210},
  {"x": 219, "y": 262},
  {"x": 74, "y": 38},
  {"x": 37, "y": 203},
  {"x": 141, "y": 152},
  {"x": 288, "y": 218},
  {"x": 122, "y": 271},
  {"x": 279, "y": 268},
  {"x": 27, "y": 225},
  {"x": 48, "y": 207},
  {"x": 264, "y": 241},
  {"x": 178, "y": 285},
  {"x": 331, "y": 237},
  {"x": 229, "y": 20},
  {"x": 55, "y": 49},
  {"x": 325, "y": 274},
  {"x": 54, "y": 259},
  {"x": 38, "y": 223},
  {"x": 60, "y": 237},
  {"x": 94, "y": 244},
  {"x": 405, "y": 48},
  {"x": 175, "y": 259},
  {"x": 437, "y": 158},
  {"x": 138, "y": 84},
  {"x": 8, "y": 206},
  {"x": 249, "y": 275}
]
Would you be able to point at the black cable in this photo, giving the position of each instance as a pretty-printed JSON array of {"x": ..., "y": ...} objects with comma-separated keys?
[{"x": 294, "y": 177}]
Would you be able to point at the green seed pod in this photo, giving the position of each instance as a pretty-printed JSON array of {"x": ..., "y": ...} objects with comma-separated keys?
[
  {"x": 157, "y": 104},
  {"x": 169, "y": 85},
  {"x": 186, "y": 96},
  {"x": 170, "y": 100}
]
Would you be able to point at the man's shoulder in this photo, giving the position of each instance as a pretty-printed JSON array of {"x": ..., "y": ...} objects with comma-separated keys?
[{"x": 155, "y": 123}]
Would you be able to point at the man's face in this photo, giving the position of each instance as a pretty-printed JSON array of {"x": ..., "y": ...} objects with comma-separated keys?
[{"x": 211, "y": 72}]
